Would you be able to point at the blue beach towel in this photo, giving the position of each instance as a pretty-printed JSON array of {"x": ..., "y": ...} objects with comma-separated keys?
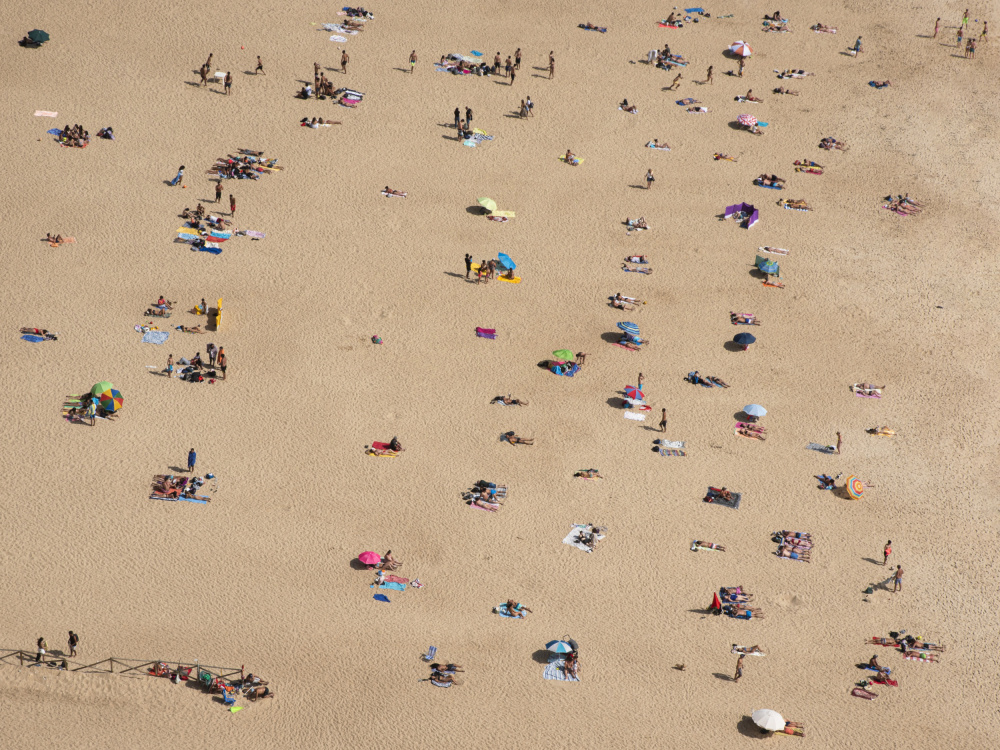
[
  {"x": 186, "y": 236},
  {"x": 210, "y": 249},
  {"x": 391, "y": 585},
  {"x": 503, "y": 612},
  {"x": 694, "y": 10},
  {"x": 155, "y": 337},
  {"x": 476, "y": 52},
  {"x": 381, "y": 598},
  {"x": 33, "y": 338},
  {"x": 57, "y": 131}
]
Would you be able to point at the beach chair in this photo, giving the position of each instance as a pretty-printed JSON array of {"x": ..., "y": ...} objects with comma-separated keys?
[
  {"x": 228, "y": 697},
  {"x": 431, "y": 653}
]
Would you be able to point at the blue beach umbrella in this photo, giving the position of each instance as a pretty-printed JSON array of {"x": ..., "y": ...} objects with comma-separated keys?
[
  {"x": 754, "y": 410},
  {"x": 506, "y": 261},
  {"x": 744, "y": 339},
  {"x": 767, "y": 266},
  {"x": 629, "y": 328},
  {"x": 559, "y": 647}
]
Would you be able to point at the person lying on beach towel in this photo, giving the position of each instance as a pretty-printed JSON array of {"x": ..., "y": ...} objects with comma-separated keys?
[
  {"x": 751, "y": 98},
  {"x": 796, "y": 203},
  {"x": 479, "y": 502},
  {"x": 822, "y": 28},
  {"x": 588, "y": 474},
  {"x": 619, "y": 297},
  {"x": 720, "y": 492},
  {"x": 879, "y": 84},
  {"x": 190, "y": 329},
  {"x": 40, "y": 332},
  {"x": 763, "y": 181},
  {"x": 513, "y": 439},
  {"x": 723, "y": 157},
  {"x": 388, "y": 191},
  {"x": 747, "y": 319},
  {"x": 685, "y": 102},
  {"x": 508, "y": 401},
  {"x": 157, "y": 312},
  {"x": 747, "y": 651},
  {"x": 750, "y": 434},
  {"x": 742, "y": 614},
  {"x": 783, "y": 90},
  {"x": 794, "y": 74},
  {"x": 882, "y": 431},
  {"x": 636, "y": 225},
  {"x": 636, "y": 270},
  {"x": 867, "y": 389},
  {"x": 58, "y": 240},
  {"x": 655, "y": 143},
  {"x": 784, "y": 551},
  {"x": 697, "y": 110},
  {"x": 590, "y": 27},
  {"x": 826, "y": 482},
  {"x": 751, "y": 427},
  {"x": 832, "y": 143},
  {"x": 697, "y": 545},
  {"x": 626, "y": 107}
]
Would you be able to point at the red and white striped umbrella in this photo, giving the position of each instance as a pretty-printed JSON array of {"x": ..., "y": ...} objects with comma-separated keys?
[
  {"x": 740, "y": 48},
  {"x": 748, "y": 120}
]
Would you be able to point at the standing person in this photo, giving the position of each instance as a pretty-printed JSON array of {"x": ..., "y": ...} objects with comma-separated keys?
[
  {"x": 170, "y": 366},
  {"x": 970, "y": 49},
  {"x": 413, "y": 60},
  {"x": 204, "y": 307},
  {"x": 192, "y": 458},
  {"x": 886, "y": 552},
  {"x": 530, "y": 105},
  {"x": 508, "y": 66},
  {"x": 965, "y": 19},
  {"x": 203, "y": 72},
  {"x": 496, "y": 63},
  {"x": 517, "y": 59},
  {"x": 676, "y": 83},
  {"x": 468, "y": 265},
  {"x": 959, "y": 42},
  {"x": 709, "y": 78},
  {"x": 858, "y": 49},
  {"x": 523, "y": 112},
  {"x": 552, "y": 65},
  {"x": 344, "y": 59},
  {"x": 228, "y": 83},
  {"x": 982, "y": 37},
  {"x": 223, "y": 362},
  {"x": 468, "y": 118},
  {"x": 180, "y": 173},
  {"x": 663, "y": 420},
  {"x": 639, "y": 382},
  {"x": 840, "y": 442},
  {"x": 937, "y": 23},
  {"x": 212, "y": 354},
  {"x": 232, "y": 205},
  {"x": 739, "y": 669},
  {"x": 458, "y": 116},
  {"x": 743, "y": 64},
  {"x": 461, "y": 128},
  {"x": 260, "y": 66},
  {"x": 42, "y": 648},
  {"x": 218, "y": 191},
  {"x": 512, "y": 74},
  {"x": 897, "y": 579},
  {"x": 316, "y": 76},
  {"x": 208, "y": 62},
  {"x": 649, "y": 179},
  {"x": 74, "y": 641}
]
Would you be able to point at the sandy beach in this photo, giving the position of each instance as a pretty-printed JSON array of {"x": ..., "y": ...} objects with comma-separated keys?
[{"x": 265, "y": 575}]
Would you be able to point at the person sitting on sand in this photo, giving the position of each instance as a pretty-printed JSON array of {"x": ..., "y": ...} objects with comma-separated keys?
[
  {"x": 190, "y": 329},
  {"x": 572, "y": 664},
  {"x": 259, "y": 692},
  {"x": 832, "y": 143},
  {"x": 389, "y": 191},
  {"x": 723, "y": 493},
  {"x": 589, "y": 474},
  {"x": 516, "y": 609},
  {"x": 57, "y": 240},
  {"x": 784, "y": 551},
  {"x": 164, "y": 304},
  {"x": 655, "y": 143},
  {"x": 389, "y": 562},
  {"x": 513, "y": 439},
  {"x": 590, "y": 538},
  {"x": 751, "y": 98},
  {"x": 571, "y": 158},
  {"x": 873, "y": 663}
]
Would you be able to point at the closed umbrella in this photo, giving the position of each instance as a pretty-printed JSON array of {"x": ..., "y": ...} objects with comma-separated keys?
[
  {"x": 370, "y": 558},
  {"x": 767, "y": 719},
  {"x": 855, "y": 487},
  {"x": 630, "y": 328},
  {"x": 748, "y": 120},
  {"x": 744, "y": 339},
  {"x": 506, "y": 261},
  {"x": 741, "y": 49},
  {"x": 561, "y": 647},
  {"x": 563, "y": 354},
  {"x": 754, "y": 410},
  {"x": 488, "y": 203},
  {"x": 37, "y": 35}
]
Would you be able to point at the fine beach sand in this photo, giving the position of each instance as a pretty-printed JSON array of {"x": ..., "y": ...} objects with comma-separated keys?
[{"x": 262, "y": 576}]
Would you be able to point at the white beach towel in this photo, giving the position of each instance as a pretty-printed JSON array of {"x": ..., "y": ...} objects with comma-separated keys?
[
  {"x": 672, "y": 444},
  {"x": 571, "y": 538},
  {"x": 635, "y": 417},
  {"x": 336, "y": 38},
  {"x": 773, "y": 250}
]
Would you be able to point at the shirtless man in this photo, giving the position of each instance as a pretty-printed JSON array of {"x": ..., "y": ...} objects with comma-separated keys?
[
  {"x": 571, "y": 158},
  {"x": 751, "y": 98},
  {"x": 676, "y": 82},
  {"x": 513, "y": 439},
  {"x": 552, "y": 66},
  {"x": 344, "y": 59},
  {"x": 203, "y": 72},
  {"x": 516, "y": 609}
]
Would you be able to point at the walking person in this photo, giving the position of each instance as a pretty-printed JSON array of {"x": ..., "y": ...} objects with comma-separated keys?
[
  {"x": 458, "y": 116},
  {"x": 218, "y": 191},
  {"x": 552, "y": 65},
  {"x": 530, "y": 105},
  {"x": 260, "y": 66},
  {"x": 676, "y": 82},
  {"x": 639, "y": 382},
  {"x": 649, "y": 179},
  {"x": 840, "y": 443},
  {"x": 709, "y": 78},
  {"x": 203, "y": 72},
  {"x": 937, "y": 23},
  {"x": 468, "y": 265},
  {"x": 523, "y": 112},
  {"x": 663, "y": 420},
  {"x": 413, "y": 60},
  {"x": 223, "y": 362},
  {"x": 468, "y": 118},
  {"x": 344, "y": 59},
  {"x": 886, "y": 552},
  {"x": 42, "y": 648},
  {"x": 739, "y": 669},
  {"x": 959, "y": 42},
  {"x": 74, "y": 641},
  {"x": 982, "y": 37},
  {"x": 180, "y": 173},
  {"x": 170, "y": 366},
  {"x": 208, "y": 62},
  {"x": 192, "y": 458},
  {"x": 232, "y": 205},
  {"x": 517, "y": 59},
  {"x": 897, "y": 579},
  {"x": 228, "y": 83}
]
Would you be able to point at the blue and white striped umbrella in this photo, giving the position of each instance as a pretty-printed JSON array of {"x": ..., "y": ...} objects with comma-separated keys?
[
  {"x": 629, "y": 328},
  {"x": 559, "y": 647}
]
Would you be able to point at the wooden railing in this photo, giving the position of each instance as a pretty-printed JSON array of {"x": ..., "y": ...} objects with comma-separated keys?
[{"x": 112, "y": 665}]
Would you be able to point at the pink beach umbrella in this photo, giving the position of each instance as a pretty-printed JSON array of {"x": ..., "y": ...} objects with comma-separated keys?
[{"x": 370, "y": 558}]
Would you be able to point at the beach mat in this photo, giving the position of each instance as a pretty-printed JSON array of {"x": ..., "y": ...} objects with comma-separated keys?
[
  {"x": 155, "y": 337},
  {"x": 392, "y": 585},
  {"x": 381, "y": 598},
  {"x": 33, "y": 338},
  {"x": 562, "y": 158},
  {"x": 635, "y": 417},
  {"x": 577, "y": 529},
  {"x": 45, "y": 113},
  {"x": 734, "y": 503},
  {"x": 554, "y": 670}
]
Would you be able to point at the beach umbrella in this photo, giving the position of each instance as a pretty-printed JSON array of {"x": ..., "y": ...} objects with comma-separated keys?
[
  {"x": 37, "y": 35},
  {"x": 754, "y": 410},
  {"x": 742, "y": 49},
  {"x": 488, "y": 203},
  {"x": 561, "y": 647},
  {"x": 744, "y": 339},
  {"x": 370, "y": 558},
  {"x": 629, "y": 328},
  {"x": 748, "y": 120},
  {"x": 633, "y": 393},
  {"x": 506, "y": 261},
  {"x": 767, "y": 719},
  {"x": 768, "y": 266},
  {"x": 563, "y": 354},
  {"x": 110, "y": 400},
  {"x": 99, "y": 388},
  {"x": 855, "y": 487}
]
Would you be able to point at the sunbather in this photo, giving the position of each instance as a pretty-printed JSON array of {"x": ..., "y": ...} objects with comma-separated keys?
[
  {"x": 259, "y": 692},
  {"x": 485, "y": 504},
  {"x": 832, "y": 143},
  {"x": 445, "y": 668},
  {"x": 752, "y": 427},
  {"x": 590, "y": 538},
  {"x": 639, "y": 223},
  {"x": 619, "y": 297},
  {"x": 630, "y": 342},
  {"x": 156, "y": 312},
  {"x": 697, "y": 110},
  {"x": 867, "y": 387},
  {"x": 784, "y": 551},
  {"x": 795, "y": 203},
  {"x": 40, "y": 332},
  {"x": 57, "y": 240},
  {"x": 516, "y": 609},
  {"x": 823, "y": 28},
  {"x": 718, "y": 381},
  {"x": 619, "y": 305},
  {"x": 508, "y": 401},
  {"x": 723, "y": 157},
  {"x": 389, "y": 191},
  {"x": 626, "y": 107},
  {"x": 750, "y": 434},
  {"x": 513, "y": 439},
  {"x": 880, "y": 84},
  {"x": 742, "y": 614},
  {"x": 656, "y": 144},
  {"x": 793, "y": 73},
  {"x": 723, "y": 493},
  {"x": 570, "y": 158},
  {"x": 743, "y": 318},
  {"x": 190, "y": 329},
  {"x": 795, "y": 728},
  {"x": 389, "y": 562},
  {"x": 572, "y": 664},
  {"x": 637, "y": 270},
  {"x": 783, "y": 90},
  {"x": 589, "y": 474},
  {"x": 744, "y": 650},
  {"x": 751, "y": 98},
  {"x": 707, "y": 545}
]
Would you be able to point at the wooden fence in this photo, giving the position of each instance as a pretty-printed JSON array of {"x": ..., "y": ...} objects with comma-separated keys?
[{"x": 112, "y": 665}]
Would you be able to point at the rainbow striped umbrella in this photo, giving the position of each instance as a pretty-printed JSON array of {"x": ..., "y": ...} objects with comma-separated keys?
[{"x": 855, "y": 487}]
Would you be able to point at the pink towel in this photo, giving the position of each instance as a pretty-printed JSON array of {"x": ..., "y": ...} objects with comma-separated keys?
[
  {"x": 43, "y": 113},
  {"x": 486, "y": 333},
  {"x": 396, "y": 579}
]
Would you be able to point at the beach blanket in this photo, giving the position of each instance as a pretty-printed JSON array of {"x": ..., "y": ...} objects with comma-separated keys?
[
  {"x": 336, "y": 38},
  {"x": 255, "y": 235},
  {"x": 486, "y": 333},
  {"x": 504, "y": 612},
  {"x": 866, "y": 694},
  {"x": 670, "y": 452},
  {"x": 876, "y": 394},
  {"x": 634, "y": 417},
  {"x": 556, "y": 670},
  {"x": 922, "y": 658},
  {"x": 210, "y": 248},
  {"x": 44, "y": 113},
  {"x": 155, "y": 337},
  {"x": 821, "y": 448},
  {"x": 573, "y": 540},
  {"x": 397, "y": 579},
  {"x": 33, "y": 338},
  {"x": 391, "y": 585},
  {"x": 773, "y": 250},
  {"x": 188, "y": 237},
  {"x": 54, "y": 131},
  {"x": 381, "y": 598},
  {"x": 873, "y": 669},
  {"x": 670, "y": 444},
  {"x": 562, "y": 158},
  {"x": 717, "y": 500}
]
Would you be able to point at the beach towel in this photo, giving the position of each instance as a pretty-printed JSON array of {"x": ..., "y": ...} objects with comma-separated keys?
[
  {"x": 562, "y": 158},
  {"x": 336, "y": 38},
  {"x": 504, "y": 612},
  {"x": 54, "y": 131},
  {"x": 717, "y": 500},
  {"x": 922, "y": 658},
  {"x": 381, "y": 598},
  {"x": 873, "y": 669},
  {"x": 486, "y": 333},
  {"x": 44, "y": 113},
  {"x": 666, "y": 25},
  {"x": 635, "y": 417},
  {"x": 435, "y": 683},
  {"x": 866, "y": 694},
  {"x": 670, "y": 452},
  {"x": 694, "y": 10},
  {"x": 255, "y": 235},
  {"x": 210, "y": 248},
  {"x": 572, "y": 538},
  {"x": 33, "y": 338},
  {"x": 885, "y": 681},
  {"x": 876, "y": 394},
  {"x": 556, "y": 670},
  {"x": 773, "y": 250},
  {"x": 391, "y": 585},
  {"x": 670, "y": 444},
  {"x": 155, "y": 337},
  {"x": 492, "y": 509},
  {"x": 397, "y": 579},
  {"x": 470, "y": 143},
  {"x": 821, "y": 448},
  {"x": 188, "y": 237}
]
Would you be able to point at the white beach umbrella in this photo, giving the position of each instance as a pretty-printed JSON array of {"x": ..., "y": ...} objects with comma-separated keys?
[{"x": 767, "y": 719}]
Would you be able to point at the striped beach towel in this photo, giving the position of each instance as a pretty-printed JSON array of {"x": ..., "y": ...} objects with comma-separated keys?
[{"x": 556, "y": 670}]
